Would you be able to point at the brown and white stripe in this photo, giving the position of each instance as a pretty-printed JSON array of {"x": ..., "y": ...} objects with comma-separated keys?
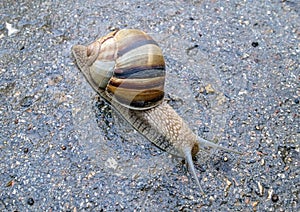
[{"x": 139, "y": 73}]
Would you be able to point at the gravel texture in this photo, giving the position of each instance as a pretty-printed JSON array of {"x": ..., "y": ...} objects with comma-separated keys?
[{"x": 233, "y": 74}]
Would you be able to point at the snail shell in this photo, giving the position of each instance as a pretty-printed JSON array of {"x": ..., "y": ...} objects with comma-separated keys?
[
  {"x": 130, "y": 67},
  {"x": 127, "y": 69}
]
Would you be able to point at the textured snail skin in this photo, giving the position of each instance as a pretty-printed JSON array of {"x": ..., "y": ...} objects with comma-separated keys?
[{"x": 160, "y": 124}]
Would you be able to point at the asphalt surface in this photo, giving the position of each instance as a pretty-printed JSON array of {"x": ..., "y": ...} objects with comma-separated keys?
[{"x": 233, "y": 74}]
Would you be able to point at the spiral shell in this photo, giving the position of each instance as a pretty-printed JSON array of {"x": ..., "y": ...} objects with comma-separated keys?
[{"x": 130, "y": 67}]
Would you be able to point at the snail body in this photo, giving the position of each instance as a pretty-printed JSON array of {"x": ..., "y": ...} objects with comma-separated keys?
[{"x": 127, "y": 69}]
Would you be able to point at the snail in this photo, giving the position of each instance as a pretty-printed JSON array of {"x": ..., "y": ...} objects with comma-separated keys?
[{"x": 127, "y": 68}]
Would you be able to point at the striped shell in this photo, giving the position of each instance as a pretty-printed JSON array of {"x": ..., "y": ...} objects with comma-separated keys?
[{"x": 130, "y": 67}]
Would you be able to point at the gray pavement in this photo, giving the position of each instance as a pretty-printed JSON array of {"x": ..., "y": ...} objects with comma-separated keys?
[{"x": 233, "y": 74}]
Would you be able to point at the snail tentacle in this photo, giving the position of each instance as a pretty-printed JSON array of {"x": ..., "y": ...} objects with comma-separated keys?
[
  {"x": 189, "y": 160},
  {"x": 203, "y": 142}
]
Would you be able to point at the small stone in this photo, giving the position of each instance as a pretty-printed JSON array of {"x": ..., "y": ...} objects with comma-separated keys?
[
  {"x": 262, "y": 163},
  {"x": 111, "y": 163},
  {"x": 247, "y": 200},
  {"x": 242, "y": 92},
  {"x": 254, "y": 204},
  {"x": 11, "y": 30},
  {"x": 30, "y": 201},
  {"x": 10, "y": 183},
  {"x": 260, "y": 189},
  {"x": 245, "y": 56},
  {"x": 209, "y": 89},
  {"x": 254, "y": 44},
  {"x": 275, "y": 198},
  {"x": 228, "y": 184}
]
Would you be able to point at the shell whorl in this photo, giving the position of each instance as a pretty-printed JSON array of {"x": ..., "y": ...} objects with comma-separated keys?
[{"x": 130, "y": 67}]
